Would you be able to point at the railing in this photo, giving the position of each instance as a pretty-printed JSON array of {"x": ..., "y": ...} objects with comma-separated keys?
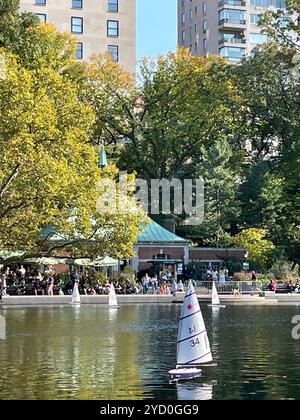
[
  {"x": 232, "y": 21},
  {"x": 239, "y": 3},
  {"x": 244, "y": 287},
  {"x": 232, "y": 40}
]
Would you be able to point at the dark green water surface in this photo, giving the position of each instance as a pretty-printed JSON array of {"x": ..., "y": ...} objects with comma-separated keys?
[{"x": 91, "y": 352}]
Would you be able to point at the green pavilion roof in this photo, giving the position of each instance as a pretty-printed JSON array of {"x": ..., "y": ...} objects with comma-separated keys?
[{"x": 154, "y": 233}]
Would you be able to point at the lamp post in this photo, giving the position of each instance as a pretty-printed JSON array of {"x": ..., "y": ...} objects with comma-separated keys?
[{"x": 246, "y": 264}]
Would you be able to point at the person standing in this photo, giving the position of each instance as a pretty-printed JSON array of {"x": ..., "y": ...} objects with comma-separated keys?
[
  {"x": 215, "y": 275},
  {"x": 145, "y": 283},
  {"x": 154, "y": 283},
  {"x": 222, "y": 275},
  {"x": 50, "y": 285}
]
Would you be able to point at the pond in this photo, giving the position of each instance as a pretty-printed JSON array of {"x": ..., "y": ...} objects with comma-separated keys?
[{"x": 92, "y": 352}]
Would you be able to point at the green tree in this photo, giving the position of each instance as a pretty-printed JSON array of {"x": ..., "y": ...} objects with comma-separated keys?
[
  {"x": 182, "y": 108},
  {"x": 222, "y": 208},
  {"x": 268, "y": 132},
  {"x": 49, "y": 172},
  {"x": 260, "y": 249},
  {"x": 13, "y": 24}
]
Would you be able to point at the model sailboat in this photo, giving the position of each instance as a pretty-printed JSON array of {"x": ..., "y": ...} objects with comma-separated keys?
[
  {"x": 113, "y": 301},
  {"x": 215, "y": 300},
  {"x": 193, "y": 348},
  {"x": 75, "y": 295}
]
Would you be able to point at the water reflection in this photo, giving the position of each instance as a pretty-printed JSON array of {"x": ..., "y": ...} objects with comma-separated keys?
[
  {"x": 91, "y": 352},
  {"x": 194, "y": 391},
  {"x": 76, "y": 310},
  {"x": 2, "y": 326},
  {"x": 112, "y": 313},
  {"x": 215, "y": 312}
]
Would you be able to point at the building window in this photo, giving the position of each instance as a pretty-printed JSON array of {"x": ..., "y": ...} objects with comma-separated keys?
[
  {"x": 113, "y": 28},
  {"x": 42, "y": 17},
  {"x": 114, "y": 52},
  {"x": 40, "y": 2},
  {"x": 77, "y": 25},
  {"x": 279, "y": 4},
  {"x": 204, "y": 25},
  {"x": 79, "y": 51},
  {"x": 254, "y": 19},
  {"x": 233, "y": 54},
  {"x": 234, "y": 16},
  {"x": 113, "y": 5},
  {"x": 77, "y": 4},
  {"x": 258, "y": 38},
  {"x": 183, "y": 36},
  {"x": 183, "y": 18},
  {"x": 204, "y": 9}
]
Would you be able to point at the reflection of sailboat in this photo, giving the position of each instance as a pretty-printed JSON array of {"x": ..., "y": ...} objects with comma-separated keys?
[
  {"x": 193, "y": 348},
  {"x": 75, "y": 295},
  {"x": 215, "y": 310},
  {"x": 215, "y": 300},
  {"x": 2, "y": 328},
  {"x": 194, "y": 392},
  {"x": 113, "y": 301}
]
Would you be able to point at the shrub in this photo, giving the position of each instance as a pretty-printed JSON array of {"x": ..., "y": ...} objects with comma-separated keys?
[
  {"x": 241, "y": 277},
  {"x": 284, "y": 270}
]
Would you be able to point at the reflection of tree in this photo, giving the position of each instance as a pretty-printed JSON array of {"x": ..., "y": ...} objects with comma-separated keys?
[
  {"x": 60, "y": 353},
  {"x": 56, "y": 353}
]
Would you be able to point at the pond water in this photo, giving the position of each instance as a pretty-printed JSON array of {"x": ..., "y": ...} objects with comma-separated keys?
[{"x": 92, "y": 352}]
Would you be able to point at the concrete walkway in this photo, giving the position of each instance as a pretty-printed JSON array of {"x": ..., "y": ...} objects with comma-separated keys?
[{"x": 269, "y": 299}]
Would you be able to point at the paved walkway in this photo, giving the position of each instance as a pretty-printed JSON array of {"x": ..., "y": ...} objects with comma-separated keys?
[{"x": 269, "y": 299}]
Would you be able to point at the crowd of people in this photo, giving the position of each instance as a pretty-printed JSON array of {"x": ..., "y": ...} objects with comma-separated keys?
[
  {"x": 288, "y": 287},
  {"x": 23, "y": 279},
  {"x": 20, "y": 280},
  {"x": 220, "y": 275},
  {"x": 162, "y": 285}
]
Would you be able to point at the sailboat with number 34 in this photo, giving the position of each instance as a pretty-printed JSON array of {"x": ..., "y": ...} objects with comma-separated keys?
[{"x": 193, "y": 347}]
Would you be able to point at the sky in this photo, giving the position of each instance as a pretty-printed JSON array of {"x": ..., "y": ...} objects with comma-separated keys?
[{"x": 156, "y": 27}]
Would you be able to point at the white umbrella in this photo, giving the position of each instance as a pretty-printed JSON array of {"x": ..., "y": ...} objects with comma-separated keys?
[
  {"x": 84, "y": 262},
  {"x": 106, "y": 262},
  {"x": 45, "y": 261}
]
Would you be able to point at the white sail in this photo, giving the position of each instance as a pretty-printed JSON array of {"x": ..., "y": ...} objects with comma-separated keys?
[
  {"x": 215, "y": 300},
  {"x": 193, "y": 346},
  {"x": 113, "y": 301},
  {"x": 76, "y": 295}
]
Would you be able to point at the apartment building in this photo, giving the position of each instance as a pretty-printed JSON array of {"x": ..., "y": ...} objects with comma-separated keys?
[
  {"x": 226, "y": 27},
  {"x": 97, "y": 25}
]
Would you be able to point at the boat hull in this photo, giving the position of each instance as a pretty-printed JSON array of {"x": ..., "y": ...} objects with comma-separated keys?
[{"x": 184, "y": 374}]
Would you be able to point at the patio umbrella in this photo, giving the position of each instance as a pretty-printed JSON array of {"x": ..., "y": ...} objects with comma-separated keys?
[
  {"x": 8, "y": 255},
  {"x": 45, "y": 260},
  {"x": 84, "y": 262},
  {"x": 106, "y": 262}
]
